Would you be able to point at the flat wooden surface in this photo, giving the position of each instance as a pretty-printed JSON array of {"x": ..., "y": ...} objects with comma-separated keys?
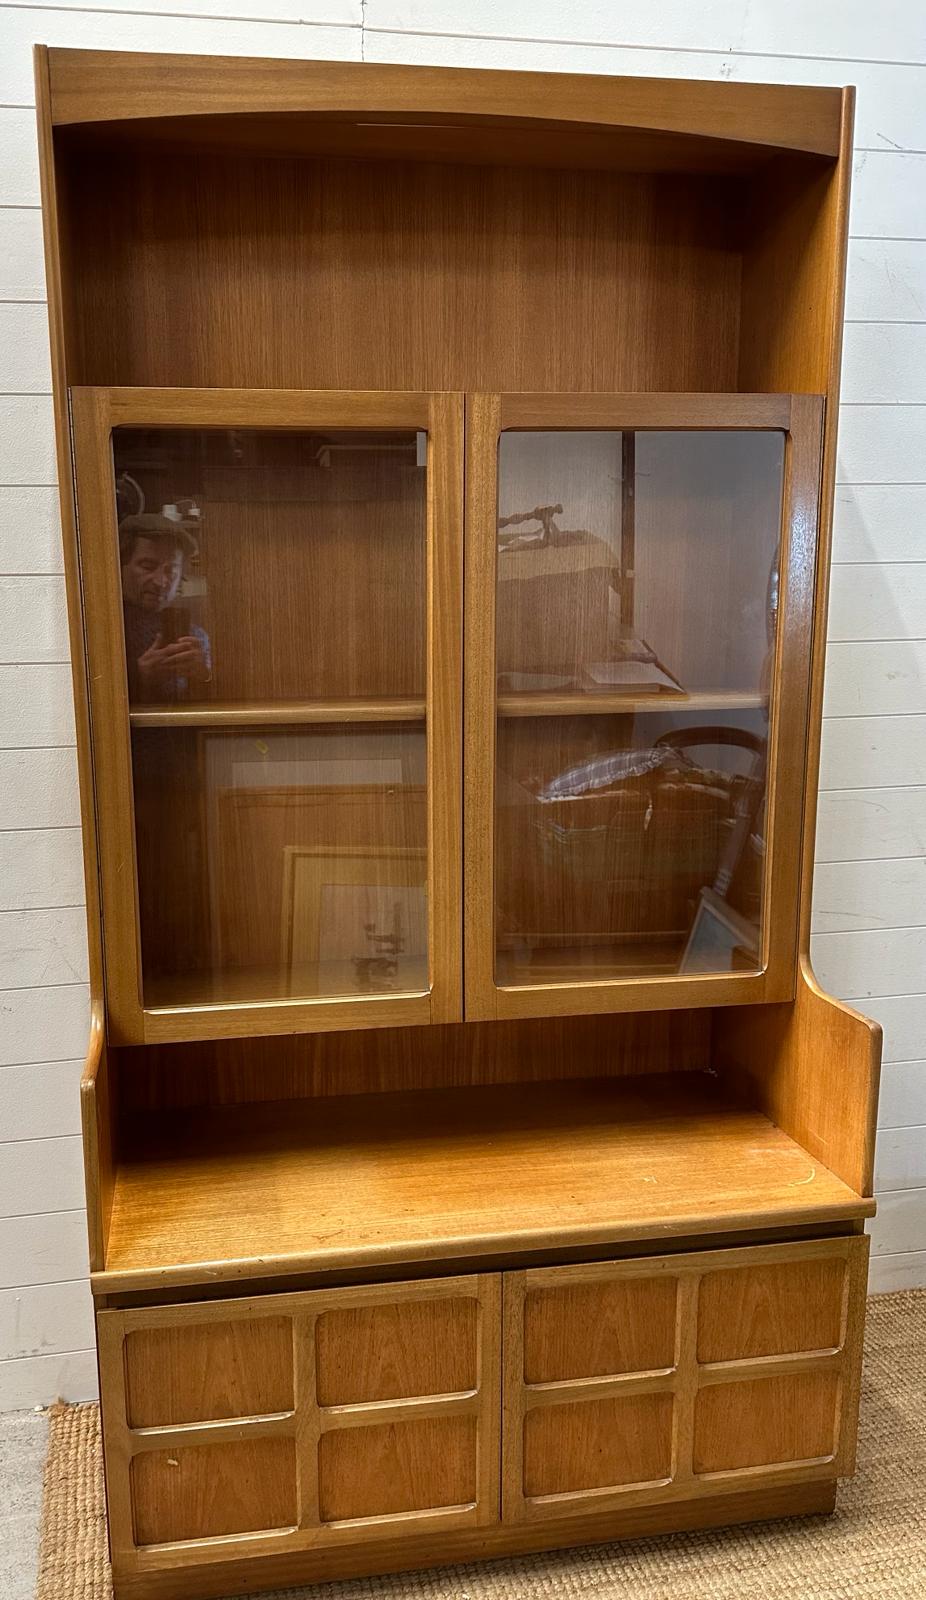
[
  {"x": 386, "y": 1179},
  {"x": 300, "y": 981},
  {"x": 590, "y": 703},
  {"x": 246, "y": 714}
]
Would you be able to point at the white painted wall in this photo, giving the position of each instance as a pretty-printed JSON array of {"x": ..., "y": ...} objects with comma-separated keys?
[{"x": 870, "y": 943}]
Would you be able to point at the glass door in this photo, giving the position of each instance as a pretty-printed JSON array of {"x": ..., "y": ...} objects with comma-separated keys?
[
  {"x": 273, "y": 590},
  {"x": 639, "y": 593}
]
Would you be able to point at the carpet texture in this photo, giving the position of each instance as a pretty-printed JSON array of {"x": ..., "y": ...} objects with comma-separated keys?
[{"x": 873, "y": 1548}]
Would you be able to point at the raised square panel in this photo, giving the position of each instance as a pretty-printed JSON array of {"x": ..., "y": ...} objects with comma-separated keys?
[
  {"x": 589, "y": 1330},
  {"x": 764, "y": 1421},
  {"x": 399, "y": 1351},
  {"x": 771, "y": 1310},
  {"x": 598, "y": 1444},
  {"x": 208, "y": 1371},
  {"x": 397, "y": 1467},
  {"x": 212, "y": 1490}
]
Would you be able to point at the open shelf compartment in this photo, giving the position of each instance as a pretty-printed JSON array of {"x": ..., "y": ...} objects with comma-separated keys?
[{"x": 391, "y": 1180}]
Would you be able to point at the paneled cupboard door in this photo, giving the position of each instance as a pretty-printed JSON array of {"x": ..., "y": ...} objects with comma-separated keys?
[
  {"x": 675, "y": 1376},
  {"x": 300, "y": 1421},
  {"x": 639, "y": 592},
  {"x": 273, "y": 591}
]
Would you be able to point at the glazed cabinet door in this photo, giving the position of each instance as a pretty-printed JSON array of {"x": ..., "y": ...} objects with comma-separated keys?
[
  {"x": 297, "y": 1421},
  {"x": 272, "y": 587},
  {"x": 662, "y": 1379},
  {"x": 639, "y": 589}
]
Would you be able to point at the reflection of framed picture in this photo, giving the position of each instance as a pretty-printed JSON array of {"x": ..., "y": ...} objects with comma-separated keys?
[
  {"x": 358, "y": 916},
  {"x": 720, "y": 939}
]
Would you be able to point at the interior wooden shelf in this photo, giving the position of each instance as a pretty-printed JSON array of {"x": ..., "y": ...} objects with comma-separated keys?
[
  {"x": 587, "y": 703},
  {"x": 390, "y": 1179},
  {"x": 590, "y": 963},
  {"x": 328, "y": 980},
  {"x": 244, "y": 714}
]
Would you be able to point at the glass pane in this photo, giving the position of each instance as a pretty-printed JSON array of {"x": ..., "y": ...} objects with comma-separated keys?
[
  {"x": 260, "y": 565},
  {"x": 278, "y": 864},
  {"x": 637, "y": 596},
  {"x": 274, "y": 602}
]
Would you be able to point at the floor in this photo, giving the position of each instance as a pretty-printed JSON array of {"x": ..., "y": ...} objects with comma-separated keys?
[{"x": 23, "y": 1444}]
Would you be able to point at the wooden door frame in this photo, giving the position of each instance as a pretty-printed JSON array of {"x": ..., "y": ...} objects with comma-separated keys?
[
  {"x": 800, "y": 418},
  {"x": 95, "y": 412}
]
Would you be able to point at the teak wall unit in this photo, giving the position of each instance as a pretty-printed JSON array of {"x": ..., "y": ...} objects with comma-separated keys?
[{"x": 473, "y": 1163}]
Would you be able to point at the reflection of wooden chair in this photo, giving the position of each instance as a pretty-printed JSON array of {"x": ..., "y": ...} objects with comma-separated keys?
[{"x": 747, "y": 794}]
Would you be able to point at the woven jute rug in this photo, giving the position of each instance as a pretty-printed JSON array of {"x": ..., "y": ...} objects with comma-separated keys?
[{"x": 873, "y": 1548}]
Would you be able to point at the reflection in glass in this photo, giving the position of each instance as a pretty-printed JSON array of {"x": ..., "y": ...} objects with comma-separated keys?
[
  {"x": 279, "y": 865},
  {"x": 273, "y": 587},
  {"x": 266, "y": 565},
  {"x": 636, "y": 618}
]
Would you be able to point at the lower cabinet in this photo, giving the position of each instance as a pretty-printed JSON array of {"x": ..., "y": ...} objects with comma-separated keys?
[{"x": 296, "y": 1421}]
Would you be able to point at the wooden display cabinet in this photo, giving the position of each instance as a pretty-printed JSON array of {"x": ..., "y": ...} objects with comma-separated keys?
[{"x": 474, "y": 1165}]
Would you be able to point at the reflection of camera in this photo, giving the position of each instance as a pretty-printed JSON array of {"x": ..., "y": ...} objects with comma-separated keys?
[{"x": 175, "y": 624}]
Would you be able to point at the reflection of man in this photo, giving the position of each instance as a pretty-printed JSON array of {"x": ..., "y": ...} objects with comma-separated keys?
[{"x": 165, "y": 654}]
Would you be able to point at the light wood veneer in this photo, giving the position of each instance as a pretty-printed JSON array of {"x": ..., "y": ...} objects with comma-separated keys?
[{"x": 403, "y": 1178}]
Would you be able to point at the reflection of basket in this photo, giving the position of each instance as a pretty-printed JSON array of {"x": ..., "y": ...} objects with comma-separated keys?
[{"x": 629, "y": 856}]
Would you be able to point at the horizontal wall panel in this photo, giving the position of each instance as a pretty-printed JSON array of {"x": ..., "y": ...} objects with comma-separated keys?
[
  {"x": 888, "y": 1273},
  {"x": 870, "y": 824},
  {"x": 849, "y": 896},
  {"x": 36, "y": 706},
  {"x": 27, "y": 440},
  {"x": 880, "y": 522},
  {"x": 43, "y": 1380},
  {"x": 43, "y": 1249},
  {"x": 39, "y": 1175},
  {"x": 22, "y": 262},
  {"x": 887, "y": 190},
  {"x": 38, "y": 948},
  {"x": 903, "y": 1096},
  {"x": 19, "y": 169},
  {"x": 41, "y": 1100},
  {"x": 44, "y": 1025},
  {"x": 217, "y": 34},
  {"x": 886, "y": 278},
  {"x": 871, "y": 752},
  {"x": 33, "y": 620},
  {"x": 38, "y": 788},
  {"x": 900, "y": 1224},
  {"x": 875, "y": 601},
  {"x": 39, "y": 868},
  {"x": 345, "y": 13},
  {"x": 882, "y": 443},
  {"x": 900, "y": 1159},
  {"x": 30, "y": 530},
  {"x": 25, "y": 361},
  {"x": 875, "y": 678},
  {"x": 45, "y": 1318},
  {"x": 885, "y": 961},
  {"x": 810, "y": 31},
  {"x": 903, "y": 1019},
  {"x": 884, "y": 361}
]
